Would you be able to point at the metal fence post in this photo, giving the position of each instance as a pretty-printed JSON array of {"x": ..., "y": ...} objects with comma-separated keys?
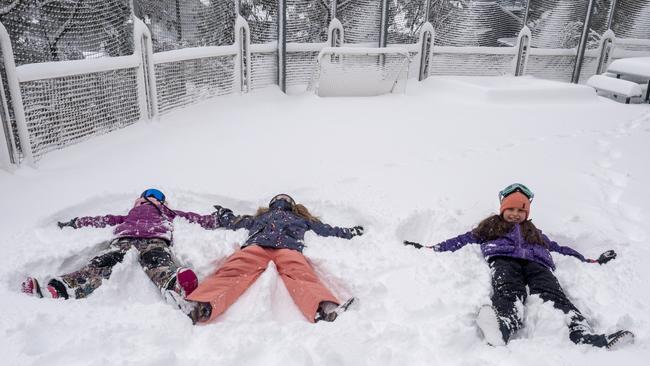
[
  {"x": 523, "y": 46},
  {"x": 243, "y": 64},
  {"x": 16, "y": 97},
  {"x": 383, "y": 30},
  {"x": 427, "y": 34},
  {"x": 610, "y": 18},
  {"x": 582, "y": 45},
  {"x": 282, "y": 45},
  {"x": 606, "y": 43}
]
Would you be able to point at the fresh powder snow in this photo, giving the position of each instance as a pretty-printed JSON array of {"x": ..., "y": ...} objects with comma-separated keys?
[{"x": 421, "y": 166}]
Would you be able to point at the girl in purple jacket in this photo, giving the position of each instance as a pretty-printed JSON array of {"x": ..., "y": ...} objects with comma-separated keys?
[
  {"x": 147, "y": 227},
  {"x": 519, "y": 255}
]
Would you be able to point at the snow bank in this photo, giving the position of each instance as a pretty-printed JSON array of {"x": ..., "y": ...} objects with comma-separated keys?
[{"x": 412, "y": 166}]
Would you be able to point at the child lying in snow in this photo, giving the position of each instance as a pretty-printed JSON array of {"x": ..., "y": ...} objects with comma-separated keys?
[
  {"x": 148, "y": 228},
  {"x": 276, "y": 234},
  {"x": 519, "y": 255}
]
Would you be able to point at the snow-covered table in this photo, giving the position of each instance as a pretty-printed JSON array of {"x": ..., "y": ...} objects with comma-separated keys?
[{"x": 637, "y": 67}]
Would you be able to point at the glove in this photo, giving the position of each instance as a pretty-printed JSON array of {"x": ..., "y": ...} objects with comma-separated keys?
[
  {"x": 221, "y": 211},
  {"x": 70, "y": 223},
  {"x": 356, "y": 231},
  {"x": 606, "y": 257},
  {"x": 416, "y": 245}
]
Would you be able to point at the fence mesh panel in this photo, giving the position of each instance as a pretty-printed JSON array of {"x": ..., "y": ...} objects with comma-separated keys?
[
  {"x": 185, "y": 82},
  {"x": 262, "y": 19},
  {"x": 632, "y": 19},
  {"x": 405, "y": 18},
  {"x": 473, "y": 23},
  {"x": 300, "y": 67},
  {"x": 307, "y": 20},
  {"x": 65, "y": 110},
  {"x": 361, "y": 21},
  {"x": 468, "y": 64},
  {"x": 264, "y": 69},
  {"x": 43, "y": 31},
  {"x": 177, "y": 24}
]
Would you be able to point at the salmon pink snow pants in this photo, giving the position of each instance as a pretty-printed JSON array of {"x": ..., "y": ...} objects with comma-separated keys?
[{"x": 241, "y": 269}]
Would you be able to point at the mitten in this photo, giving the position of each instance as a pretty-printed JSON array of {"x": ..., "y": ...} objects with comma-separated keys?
[
  {"x": 221, "y": 211},
  {"x": 71, "y": 223},
  {"x": 416, "y": 245},
  {"x": 606, "y": 257}
]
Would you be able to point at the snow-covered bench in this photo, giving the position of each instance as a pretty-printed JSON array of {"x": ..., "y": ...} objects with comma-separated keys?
[
  {"x": 634, "y": 67},
  {"x": 617, "y": 87}
]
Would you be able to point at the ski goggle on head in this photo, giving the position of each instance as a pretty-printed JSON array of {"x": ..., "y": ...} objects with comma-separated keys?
[
  {"x": 516, "y": 187},
  {"x": 152, "y": 192},
  {"x": 283, "y": 197}
]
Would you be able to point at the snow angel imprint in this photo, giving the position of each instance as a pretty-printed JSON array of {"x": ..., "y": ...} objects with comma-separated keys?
[
  {"x": 147, "y": 227},
  {"x": 276, "y": 234},
  {"x": 519, "y": 255}
]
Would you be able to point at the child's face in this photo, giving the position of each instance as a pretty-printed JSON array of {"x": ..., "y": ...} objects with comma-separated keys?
[{"x": 515, "y": 215}]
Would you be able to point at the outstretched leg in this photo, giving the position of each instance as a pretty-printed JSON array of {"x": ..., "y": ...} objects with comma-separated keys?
[
  {"x": 543, "y": 283},
  {"x": 229, "y": 282},
  {"x": 509, "y": 293},
  {"x": 300, "y": 279},
  {"x": 81, "y": 283}
]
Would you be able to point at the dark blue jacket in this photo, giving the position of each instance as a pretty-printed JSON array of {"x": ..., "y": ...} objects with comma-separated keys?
[
  {"x": 279, "y": 228},
  {"x": 511, "y": 245}
]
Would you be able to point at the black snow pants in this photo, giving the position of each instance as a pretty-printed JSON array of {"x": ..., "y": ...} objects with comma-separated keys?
[{"x": 510, "y": 276}]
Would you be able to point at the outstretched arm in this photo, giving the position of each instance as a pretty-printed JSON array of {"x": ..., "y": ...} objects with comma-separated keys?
[
  {"x": 323, "y": 229},
  {"x": 564, "y": 250},
  {"x": 555, "y": 247},
  {"x": 209, "y": 222},
  {"x": 93, "y": 221},
  {"x": 450, "y": 245},
  {"x": 226, "y": 219}
]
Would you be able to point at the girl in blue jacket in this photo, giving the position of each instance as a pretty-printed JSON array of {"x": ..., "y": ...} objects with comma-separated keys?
[
  {"x": 276, "y": 234},
  {"x": 519, "y": 255}
]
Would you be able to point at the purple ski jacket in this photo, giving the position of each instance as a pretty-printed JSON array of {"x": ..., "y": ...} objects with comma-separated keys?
[
  {"x": 511, "y": 245},
  {"x": 146, "y": 221},
  {"x": 279, "y": 228}
]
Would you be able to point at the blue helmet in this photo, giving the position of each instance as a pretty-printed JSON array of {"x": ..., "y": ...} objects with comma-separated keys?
[{"x": 152, "y": 192}]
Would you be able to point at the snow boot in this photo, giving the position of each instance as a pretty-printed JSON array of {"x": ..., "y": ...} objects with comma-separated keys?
[
  {"x": 492, "y": 327},
  {"x": 184, "y": 282},
  {"x": 196, "y": 311},
  {"x": 328, "y": 311},
  {"x": 30, "y": 286},
  {"x": 619, "y": 339},
  {"x": 610, "y": 341}
]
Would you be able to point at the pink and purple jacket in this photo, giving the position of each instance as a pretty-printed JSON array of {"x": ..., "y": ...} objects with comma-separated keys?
[
  {"x": 146, "y": 221},
  {"x": 511, "y": 245}
]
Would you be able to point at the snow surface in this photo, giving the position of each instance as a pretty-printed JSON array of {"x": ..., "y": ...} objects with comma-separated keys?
[{"x": 423, "y": 166}]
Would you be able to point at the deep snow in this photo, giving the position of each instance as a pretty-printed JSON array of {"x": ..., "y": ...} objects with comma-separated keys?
[{"x": 423, "y": 166}]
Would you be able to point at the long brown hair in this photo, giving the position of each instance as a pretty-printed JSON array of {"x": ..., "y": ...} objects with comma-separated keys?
[
  {"x": 297, "y": 209},
  {"x": 496, "y": 226}
]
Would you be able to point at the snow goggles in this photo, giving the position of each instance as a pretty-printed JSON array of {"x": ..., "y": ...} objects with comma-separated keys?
[
  {"x": 152, "y": 192},
  {"x": 516, "y": 187},
  {"x": 284, "y": 197}
]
